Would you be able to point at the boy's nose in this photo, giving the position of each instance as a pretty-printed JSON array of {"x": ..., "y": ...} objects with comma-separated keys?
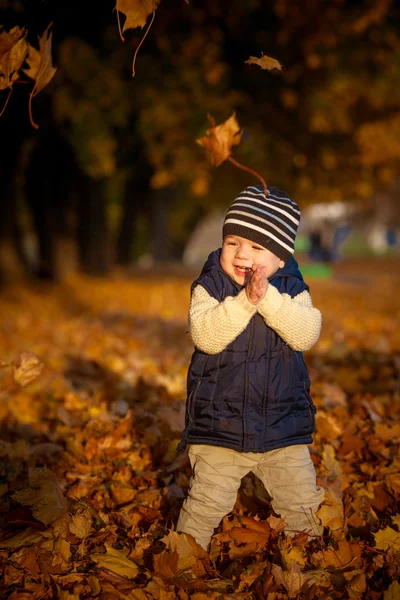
[{"x": 242, "y": 253}]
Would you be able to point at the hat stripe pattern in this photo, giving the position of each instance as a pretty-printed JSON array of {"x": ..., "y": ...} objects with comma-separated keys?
[
  {"x": 261, "y": 230},
  {"x": 284, "y": 200},
  {"x": 270, "y": 220},
  {"x": 265, "y": 212},
  {"x": 287, "y": 236}
]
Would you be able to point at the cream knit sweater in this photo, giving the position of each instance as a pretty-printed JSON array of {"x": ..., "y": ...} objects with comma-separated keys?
[{"x": 213, "y": 325}]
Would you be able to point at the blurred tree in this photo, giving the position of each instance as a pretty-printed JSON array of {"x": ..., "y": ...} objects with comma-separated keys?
[{"x": 324, "y": 130}]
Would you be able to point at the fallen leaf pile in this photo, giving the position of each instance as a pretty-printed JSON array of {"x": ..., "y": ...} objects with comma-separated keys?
[{"x": 90, "y": 482}]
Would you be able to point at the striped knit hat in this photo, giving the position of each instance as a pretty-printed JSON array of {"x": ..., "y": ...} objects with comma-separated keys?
[{"x": 270, "y": 221}]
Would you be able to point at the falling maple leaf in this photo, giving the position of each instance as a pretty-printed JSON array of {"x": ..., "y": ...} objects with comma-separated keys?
[
  {"x": 221, "y": 138},
  {"x": 265, "y": 62},
  {"x": 136, "y": 12},
  {"x": 13, "y": 51},
  {"x": 219, "y": 141},
  {"x": 41, "y": 68},
  {"x": 44, "y": 496},
  {"x": 27, "y": 369}
]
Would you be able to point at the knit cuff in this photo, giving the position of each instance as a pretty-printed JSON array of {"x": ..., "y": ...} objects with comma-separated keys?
[
  {"x": 243, "y": 304},
  {"x": 271, "y": 302}
]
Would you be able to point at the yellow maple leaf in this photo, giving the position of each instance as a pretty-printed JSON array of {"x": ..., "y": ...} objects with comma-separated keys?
[
  {"x": 265, "y": 62},
  {"x": 220, "y": 139},
  {"x": 331, "y": 512},
  {"x": 290, "y": 552},
  {"x": 388, "y": 539},
  {"x": 116, "y": 561},
  {"x": 44, "y": 496},
  {"x": 136, "y": 12}
]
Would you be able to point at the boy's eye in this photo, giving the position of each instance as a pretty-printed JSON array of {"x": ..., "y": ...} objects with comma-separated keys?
[{"x": 257, "y": 248}]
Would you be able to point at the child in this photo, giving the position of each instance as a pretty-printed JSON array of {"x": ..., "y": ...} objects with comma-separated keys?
[{"x": 249, "y": 406}]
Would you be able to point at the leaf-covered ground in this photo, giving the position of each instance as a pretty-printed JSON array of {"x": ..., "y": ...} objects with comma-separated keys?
[{"x": 91, "y": 486}]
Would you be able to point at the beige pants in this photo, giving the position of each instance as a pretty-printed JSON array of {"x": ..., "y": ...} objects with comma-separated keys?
[{"x": 288, "y": 475}]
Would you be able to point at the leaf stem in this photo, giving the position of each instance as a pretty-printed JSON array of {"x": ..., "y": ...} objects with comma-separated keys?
[
  {"x": 141, "y": 42},
  {"x": 119, "y": 27},
  {"x": 8, "y": 97},
  {"x": 30, "y": 108},
  {"x": 240, "y": 166}
]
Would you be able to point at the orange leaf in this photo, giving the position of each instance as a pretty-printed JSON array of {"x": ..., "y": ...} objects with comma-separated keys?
[
  {"x": 220, "y": 139},
  {"x": 182, "y": 554},
  {"x": 265, "y": 62},
  {"x": 347, "y": 555}
]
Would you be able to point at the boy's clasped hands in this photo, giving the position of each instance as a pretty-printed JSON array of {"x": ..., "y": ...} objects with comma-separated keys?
[{"x": 257, "y": 286}]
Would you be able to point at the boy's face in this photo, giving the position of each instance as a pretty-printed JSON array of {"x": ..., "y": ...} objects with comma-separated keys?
[{"x": 239, "y": 255}]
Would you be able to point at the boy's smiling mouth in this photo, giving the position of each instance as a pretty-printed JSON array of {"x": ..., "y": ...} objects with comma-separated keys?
[{"x": 243, "y": 270}]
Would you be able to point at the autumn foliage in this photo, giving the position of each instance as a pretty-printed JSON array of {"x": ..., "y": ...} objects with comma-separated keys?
[{"x": 92, "y": 408}]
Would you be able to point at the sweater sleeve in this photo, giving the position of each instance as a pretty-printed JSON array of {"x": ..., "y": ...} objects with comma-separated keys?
[
  {"x": 212, "y": 324},
  {"x": 295, "y": 320}
]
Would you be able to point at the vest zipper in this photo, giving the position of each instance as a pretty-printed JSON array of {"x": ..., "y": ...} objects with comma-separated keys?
[{"x": 246, "y": 386}]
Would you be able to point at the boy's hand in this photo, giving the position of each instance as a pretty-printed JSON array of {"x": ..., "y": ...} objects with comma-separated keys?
[{"x": 258, "y": 285}]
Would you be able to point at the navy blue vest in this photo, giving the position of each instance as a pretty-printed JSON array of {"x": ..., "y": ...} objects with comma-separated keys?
[{"x": 253, "y": 396}]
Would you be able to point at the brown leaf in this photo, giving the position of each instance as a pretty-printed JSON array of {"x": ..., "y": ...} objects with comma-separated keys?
[
  {"x": 136, "y": 12},
  {"x": 45, "y": 496},
  {"x": 253, "y": 536},
  {"x": 116, "y": 561},
  {"x": 41, "y": 68},
  {"x": 265, "y": 62},
  {"x": 220, "y": 139},
  {"x": 27, "y": 369},
  {"x": 80, "y": 525},
  {"x": 28, "y": 537}
]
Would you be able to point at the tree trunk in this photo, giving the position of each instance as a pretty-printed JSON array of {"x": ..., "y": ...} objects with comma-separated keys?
[{"x": 92, "y": 230}]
